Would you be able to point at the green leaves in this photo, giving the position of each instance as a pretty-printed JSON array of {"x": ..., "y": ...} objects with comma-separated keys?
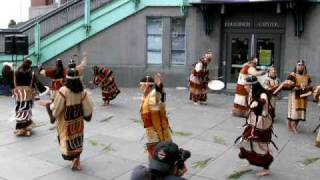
[
  {"x": 201, "y": 164},
  {"x": 238, "y": 174}
]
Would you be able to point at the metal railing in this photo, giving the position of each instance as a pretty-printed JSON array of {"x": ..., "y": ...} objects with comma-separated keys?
[{"x": 52, "y": 21}]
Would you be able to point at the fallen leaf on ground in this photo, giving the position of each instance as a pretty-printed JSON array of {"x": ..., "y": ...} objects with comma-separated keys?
[
  {"x": 310, "y": 160},
  {"x": 181, "y": 133},
  {"x": 93, "y": 142},
  {"x": 106, "y": 119},
  {"x": 219, "y": 140},
  {"x": 201, "y": 164},
  {"x": 238, "y": 174}
]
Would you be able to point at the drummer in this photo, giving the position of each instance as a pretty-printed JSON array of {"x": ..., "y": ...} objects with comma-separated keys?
[
  {"x": 240, "y": 105},
  {"x": 199, "y": 78}
]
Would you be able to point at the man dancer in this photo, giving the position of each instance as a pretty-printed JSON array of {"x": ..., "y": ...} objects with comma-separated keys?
[
  {"x": 240, "y": 106},
  {"x": 199, "y": 78},
  {"x": 298, "y": 83},
  {"x": 153, "y": 115}
]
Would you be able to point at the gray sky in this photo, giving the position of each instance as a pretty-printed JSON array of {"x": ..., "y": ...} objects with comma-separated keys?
[{"x": 13, "y": 9}]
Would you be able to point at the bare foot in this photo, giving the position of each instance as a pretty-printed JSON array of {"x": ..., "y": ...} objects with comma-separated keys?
[
  {"x": 196, "y": 103},
  {"x": 295, "y": 131},
  {"x": 74, "y": 164},
  {"x": 264, "y": 172}
]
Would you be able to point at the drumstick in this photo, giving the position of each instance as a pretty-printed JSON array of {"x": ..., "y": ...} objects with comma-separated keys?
[
  {"x": 279, "y": 88},
  {"x": 306, "y": 94}
]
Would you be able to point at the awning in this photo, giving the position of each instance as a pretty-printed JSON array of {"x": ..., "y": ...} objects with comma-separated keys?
[{"x": 232, "y": 1}]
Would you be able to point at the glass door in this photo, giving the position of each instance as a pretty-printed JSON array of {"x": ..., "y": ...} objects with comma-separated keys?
[
  {"x": 267, "y": 49},
  {"x": 238, "y": 51},
  {"x": 240, "y": 47}
]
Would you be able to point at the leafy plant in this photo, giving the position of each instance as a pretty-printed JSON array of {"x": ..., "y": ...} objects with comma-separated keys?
[
  {"x": 238, "y": 174},
  {"x": 201, "y": 164}
]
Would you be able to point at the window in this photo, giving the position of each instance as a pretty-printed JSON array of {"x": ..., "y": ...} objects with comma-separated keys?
[
  {"x": 154, "y": 41},
  {"x": 178, "y": 41}
]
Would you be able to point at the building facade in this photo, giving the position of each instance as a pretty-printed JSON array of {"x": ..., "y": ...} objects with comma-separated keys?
[{"x": 163, "y": 39}]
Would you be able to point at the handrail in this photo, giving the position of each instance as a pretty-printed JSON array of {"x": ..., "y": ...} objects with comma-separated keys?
[{"x": 53, "y": 20}]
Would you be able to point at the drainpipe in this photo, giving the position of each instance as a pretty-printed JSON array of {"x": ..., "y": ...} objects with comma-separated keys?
[
  {"x": 87, "y": 8},
  {"x": 37, "y": 34}
]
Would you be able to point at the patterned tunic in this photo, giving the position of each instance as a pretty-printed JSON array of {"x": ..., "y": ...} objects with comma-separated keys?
[
  {"x": 240, "y": 105},
  {"x": 271, "y": 85},
  {"x": 155, "y": 121},
  {"x": 316, "y": 96},
  {"x": 56, "y": 83},
  {"x": 198, "y": 82},
  {"x": 69, "y": 110},
  {"x": 23, "y": 92},
  {"x": 297, "y": 106},
  {"x": 108, "y": 85},
  {"x": 257, "y": 135}
]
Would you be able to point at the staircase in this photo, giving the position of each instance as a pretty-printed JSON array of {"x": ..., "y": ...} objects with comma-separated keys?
[{"x": 74, "y": 22}]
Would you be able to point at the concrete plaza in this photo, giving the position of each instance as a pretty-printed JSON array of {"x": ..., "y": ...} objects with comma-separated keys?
[{"x": 114, "y": 142}]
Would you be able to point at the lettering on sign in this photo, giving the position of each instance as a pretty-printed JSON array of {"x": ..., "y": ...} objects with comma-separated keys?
[
  {"x": 238, "y": 24},
  {"x": 268, "y": 25}
]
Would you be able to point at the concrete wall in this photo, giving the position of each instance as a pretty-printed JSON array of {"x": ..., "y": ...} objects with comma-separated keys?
[
  {"x": 306, "y": 47},
  {"x": 123, "y": 48}
]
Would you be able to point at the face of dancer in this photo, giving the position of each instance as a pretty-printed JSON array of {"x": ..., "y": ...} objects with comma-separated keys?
[
  {"x": 157, "y": 78},
  {"x": 145, "y": 88},
  {"x": 208, "y": 57},
  {"x": 300, "y": 68},
  {"x": 273, "y": 73},
  {"x": 254, "y": 62}
]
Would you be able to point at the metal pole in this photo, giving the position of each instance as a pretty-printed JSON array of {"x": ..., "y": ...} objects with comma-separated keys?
[{"x": 87, "y": 9}]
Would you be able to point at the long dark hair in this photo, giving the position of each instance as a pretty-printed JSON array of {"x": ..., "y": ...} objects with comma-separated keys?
[
  {"x": 257, "y": 90},
  {"x": 59, "y": 71},
  {"x": 75, "y": 85}
]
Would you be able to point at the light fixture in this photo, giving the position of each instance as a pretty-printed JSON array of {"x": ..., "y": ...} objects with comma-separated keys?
[
  {"x": 278, "y": 8},
  {"x": 222, "y": 10}
]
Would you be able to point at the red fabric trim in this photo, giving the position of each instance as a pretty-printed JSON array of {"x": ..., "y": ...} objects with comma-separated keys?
[{"x": 147, "y": 121}]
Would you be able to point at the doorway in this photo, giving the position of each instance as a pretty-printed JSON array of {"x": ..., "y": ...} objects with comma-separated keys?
[{"x": 241, "y": 46}]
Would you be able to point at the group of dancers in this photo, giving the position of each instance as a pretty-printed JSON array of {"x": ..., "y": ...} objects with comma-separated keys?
[
  {"x": 257, "y": 102},
  {"x": 70, "y": 104}
]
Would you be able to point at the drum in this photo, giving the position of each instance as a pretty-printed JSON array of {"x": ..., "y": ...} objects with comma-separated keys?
[{"x": 216, "y": 85}]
